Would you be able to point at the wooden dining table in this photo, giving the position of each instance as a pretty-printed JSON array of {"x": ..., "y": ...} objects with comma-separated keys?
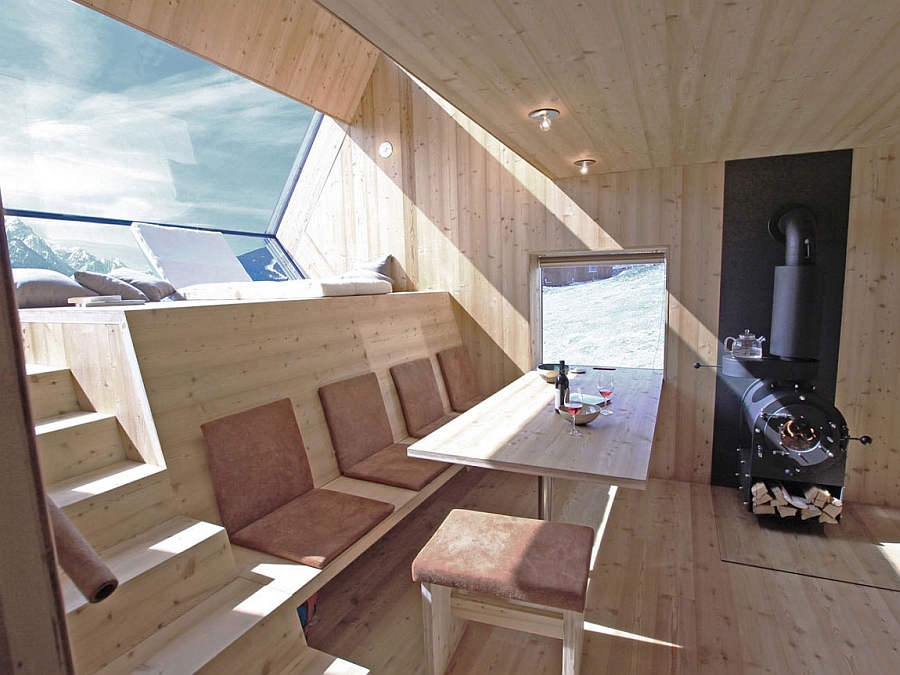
[{"x": 517, "y": 429}]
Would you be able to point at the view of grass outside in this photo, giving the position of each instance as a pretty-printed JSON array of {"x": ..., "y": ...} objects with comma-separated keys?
[{"x": 619, "y": 320}]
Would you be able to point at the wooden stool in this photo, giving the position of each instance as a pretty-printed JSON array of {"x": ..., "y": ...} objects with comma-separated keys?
[{"x": 529, "y": 575}]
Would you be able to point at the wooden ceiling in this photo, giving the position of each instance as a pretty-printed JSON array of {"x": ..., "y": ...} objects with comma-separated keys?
[
  {"x": 639, "y": 83},
  {"x": 291, "y": 46},
  {"x": 652, "y": 83}
]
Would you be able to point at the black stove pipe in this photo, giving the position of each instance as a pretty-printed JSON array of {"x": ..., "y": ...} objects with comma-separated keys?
[{"x": 796, "y": 302}]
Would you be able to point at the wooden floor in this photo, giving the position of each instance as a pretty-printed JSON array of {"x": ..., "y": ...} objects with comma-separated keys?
[{"x": 660, "y": 599}]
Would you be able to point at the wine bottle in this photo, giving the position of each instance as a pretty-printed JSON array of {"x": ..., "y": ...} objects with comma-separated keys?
[{"x": 562, "y": 387}]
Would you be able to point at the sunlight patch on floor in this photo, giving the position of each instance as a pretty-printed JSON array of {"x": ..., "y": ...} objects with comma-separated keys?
[{"x": 614, "y": 632}]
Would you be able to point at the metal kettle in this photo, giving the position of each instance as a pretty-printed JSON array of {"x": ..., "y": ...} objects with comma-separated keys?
[{"x": 745, "y": 346}]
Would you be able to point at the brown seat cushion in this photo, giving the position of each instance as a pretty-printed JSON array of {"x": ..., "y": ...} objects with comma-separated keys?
[
  {"x": 419, "y": 397},
  {"x": 315, "y": 528},
  {"x": 392, "y": 466},
  {"x": 265, "y": 492},
  {"x": 257, "y": 461},
  {"x": 356, "y": 418},
  {"x": 537, "y": 561},
  {"x": 459, "y": 378},
  {"x": 362, "y": 437}
]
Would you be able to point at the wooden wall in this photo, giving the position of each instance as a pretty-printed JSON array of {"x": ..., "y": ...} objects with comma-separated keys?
[
  {"x": 203, "y": 361},
  {"x": 33, "y": 638},
  {"x": 461, "y": 212},
  {"x": 869, "y": 363},
  {"x": 473, "y": 212}
]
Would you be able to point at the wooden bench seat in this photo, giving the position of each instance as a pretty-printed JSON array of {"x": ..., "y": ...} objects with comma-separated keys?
[
  {"x": 420, "y": 398},
  {"x": 189, "y": 363},
  {"x": 459, "y": 378},
  {"x": 265, "y": 492},
  {"x": 363, "y": 440}
]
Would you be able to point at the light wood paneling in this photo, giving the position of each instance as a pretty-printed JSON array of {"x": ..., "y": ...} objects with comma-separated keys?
[
  {"x": 97, "y": 349},
  {"x": 203, "y": 361},
  {"x": 656, "y": 83},
  {"x": 868, "y": 365},
  {"x": 473, "y": 213},
  {"x": 291, "y": 46},
  {"x": 33, "y": 637},
  {"x": 660, "y": 599},
  {"x": 460, "y": 211},
  {"x": 348, "y": 207}
]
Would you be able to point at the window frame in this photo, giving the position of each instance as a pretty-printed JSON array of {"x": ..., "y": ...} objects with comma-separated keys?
[{"x": 542, "y": 260}]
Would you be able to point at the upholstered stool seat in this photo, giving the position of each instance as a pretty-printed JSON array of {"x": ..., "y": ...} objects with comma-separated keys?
[{"x": 537, "y": 570}]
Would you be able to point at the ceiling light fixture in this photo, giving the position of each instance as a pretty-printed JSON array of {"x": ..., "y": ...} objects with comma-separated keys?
[
  {"x": 544, "y": 116},
  {"x": 584, "y": 164}
]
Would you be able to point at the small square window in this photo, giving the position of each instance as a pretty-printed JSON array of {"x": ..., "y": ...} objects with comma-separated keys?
[{"x": 604, "y": 310}]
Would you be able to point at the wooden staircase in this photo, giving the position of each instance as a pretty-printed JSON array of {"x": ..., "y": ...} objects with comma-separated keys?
[{"x": 182, "y": 605}]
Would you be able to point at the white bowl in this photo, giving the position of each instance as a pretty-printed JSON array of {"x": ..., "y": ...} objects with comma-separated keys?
[{"x": 548, "y": 371}]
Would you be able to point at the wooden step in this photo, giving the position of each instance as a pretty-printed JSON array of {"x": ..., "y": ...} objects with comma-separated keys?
[
  {"x": 51, "y": 391},
  {"x": 314, "y": 662},
  {"x": 243, "y": 629},
  {"x": 116, "y": 503},
  {"x": 162, "y": 573},
  {"x": 78, "y": 442}
]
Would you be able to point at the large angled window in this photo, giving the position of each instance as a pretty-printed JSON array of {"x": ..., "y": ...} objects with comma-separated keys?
[{"x": 100, "y": 123}]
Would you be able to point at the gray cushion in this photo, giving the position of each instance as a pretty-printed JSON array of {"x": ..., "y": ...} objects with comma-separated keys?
[
  {"x": 107, "y": 285},
  {"x": 367, "y": 275},
  {"x": 46, "y": 288},
  {"x": 153, "y": 287},
  {"x": 383, "y": 265}
]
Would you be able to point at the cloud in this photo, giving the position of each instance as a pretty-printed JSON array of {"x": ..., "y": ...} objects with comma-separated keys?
[{"x": 92, "y": 122}]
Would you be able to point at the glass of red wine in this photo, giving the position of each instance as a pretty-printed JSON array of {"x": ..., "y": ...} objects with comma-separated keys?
[
  {"x": 605, "y": 386},
  {"x": 573, "y": 406}
]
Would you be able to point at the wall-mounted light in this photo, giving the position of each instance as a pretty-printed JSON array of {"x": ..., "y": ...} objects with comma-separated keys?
[
  {"x": 584, "y": 164},
  {"x": 543, "y": 116}
]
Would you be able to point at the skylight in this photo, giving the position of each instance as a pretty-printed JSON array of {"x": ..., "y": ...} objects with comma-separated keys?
[{"x": 103, "y": 122}]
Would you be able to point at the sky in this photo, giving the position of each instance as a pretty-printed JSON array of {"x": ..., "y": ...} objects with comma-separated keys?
[{"x": 98, "y": 119}]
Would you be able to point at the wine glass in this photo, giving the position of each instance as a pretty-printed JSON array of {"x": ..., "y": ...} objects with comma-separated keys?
[
  {"x": 573, "y": 405},
  {"x": 605, "y": 386}
]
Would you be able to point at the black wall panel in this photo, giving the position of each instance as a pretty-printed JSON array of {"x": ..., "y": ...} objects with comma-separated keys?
[{"x": 754, "y": 190}]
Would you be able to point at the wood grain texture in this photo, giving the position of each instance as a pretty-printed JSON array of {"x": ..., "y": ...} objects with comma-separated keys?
[
  {"x": 461, "y": 211},
  {"x": 203, "y": 361},
  {"x": 652, "y": 84},
  {"x": 33, "y": 638},
  {"x": 473, "y": 216},
  {"x": 292, "y": 46},
  {"x": 516, "y": 429},
  {"x": 868, "y": 368},
  {"x": 660, "y": 599},
  {"x": 97, "y": 349}
]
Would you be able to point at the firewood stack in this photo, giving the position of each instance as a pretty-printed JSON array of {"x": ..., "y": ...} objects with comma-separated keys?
[{"x": 815, "y": 502}]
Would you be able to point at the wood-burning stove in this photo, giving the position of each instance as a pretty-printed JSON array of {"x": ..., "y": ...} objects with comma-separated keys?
[{"x": 790, "y": 434}]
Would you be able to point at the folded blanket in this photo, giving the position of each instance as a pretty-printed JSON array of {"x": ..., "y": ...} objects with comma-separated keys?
[{"x": 79, "y": 560}]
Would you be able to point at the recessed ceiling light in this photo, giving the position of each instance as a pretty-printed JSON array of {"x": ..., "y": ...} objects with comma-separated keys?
[
  {"x": 584, "y": 164},
  {"x": 543, "y": 116}
]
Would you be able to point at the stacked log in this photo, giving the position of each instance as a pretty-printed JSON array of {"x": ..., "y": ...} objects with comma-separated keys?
[{"x": 815, "y": 502}]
